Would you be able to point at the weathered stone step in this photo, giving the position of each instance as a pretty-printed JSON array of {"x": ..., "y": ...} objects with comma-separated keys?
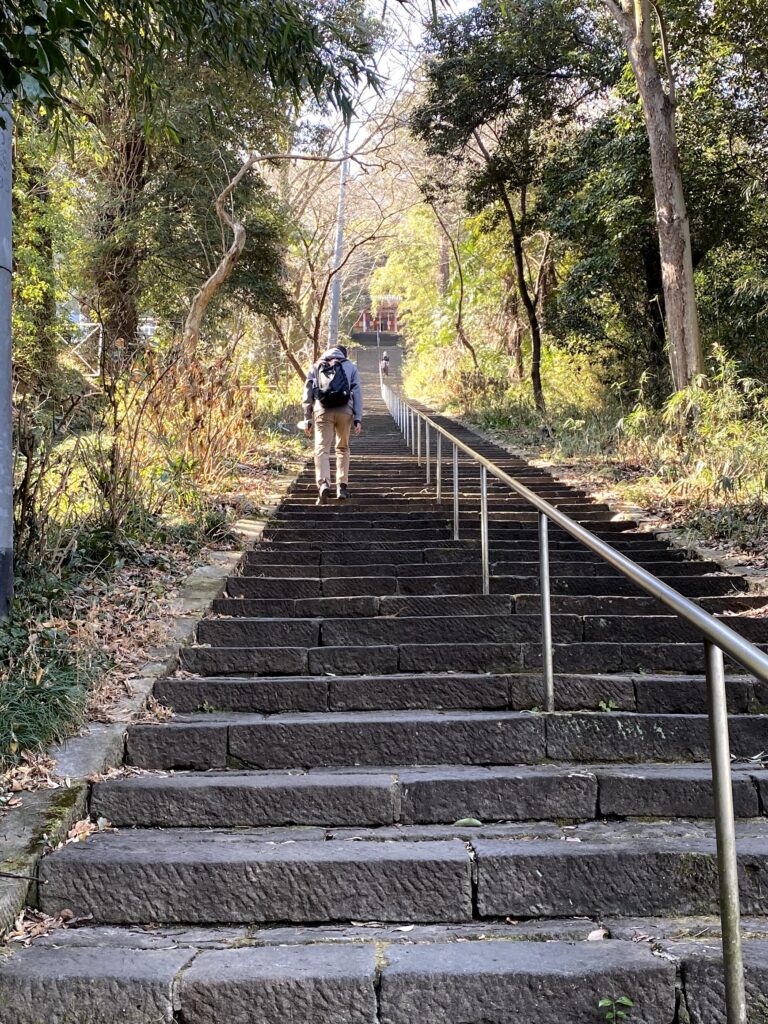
[
  {"x": 190, "y": 877},
  {"x": 397, "y": 631},
  {"x": 418, "y": 796},
  {"x": 365, "y": 521},
  {"x": 606, "y": 528},
  {"x": 462, "y": 567},
  {"x": 365, "y": 607},
  {"x": 450, "y": 984},
  {"x": 470, "y": 656},
  {"x": 347, "y": 739},
  {"x": 325, "y": 517},
  {"x": 273, "y": 694},
  {"x": 350, "y": 535},
  {"x": 617, "y": 869},
  {"x": 663, "y": 628},
  {"x": 339, "y": 738},
  {"x": 649, "y": 694},
  {"x": 468, "y": 604},
  {"x": 346, "y": 982},
  {"x": 594, "y": 604},
  {"x": 307, "y": 875},
  {"x": 503, "y": 551}
]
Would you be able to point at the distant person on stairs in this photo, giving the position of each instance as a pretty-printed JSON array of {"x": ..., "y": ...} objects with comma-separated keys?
[
  {"x": 333, "y": 400},
  {"x": 384, "y": 365}
]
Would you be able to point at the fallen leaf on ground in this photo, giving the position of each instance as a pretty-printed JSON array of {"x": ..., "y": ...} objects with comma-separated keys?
[{"x": 31, "y": 924}]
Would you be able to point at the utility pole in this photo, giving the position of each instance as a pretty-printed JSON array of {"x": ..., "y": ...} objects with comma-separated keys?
[
  {"x": 6, "y": 444},
  {"x": 333, "y": 319}
]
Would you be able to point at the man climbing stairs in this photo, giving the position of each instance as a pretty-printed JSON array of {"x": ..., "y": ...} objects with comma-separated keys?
[{"x": 359, "y": 812}]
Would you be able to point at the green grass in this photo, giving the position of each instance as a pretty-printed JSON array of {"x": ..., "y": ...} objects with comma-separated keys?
[{"x": 44, "y": 677}]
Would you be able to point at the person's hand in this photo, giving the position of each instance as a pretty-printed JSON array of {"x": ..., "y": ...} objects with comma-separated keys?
[
  {"x": 308, "y": 430},
  {"x": 358, "y": 429}
]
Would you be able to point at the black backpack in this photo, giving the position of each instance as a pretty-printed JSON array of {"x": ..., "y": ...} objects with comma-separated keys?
[{"x": 332, "y": 388}]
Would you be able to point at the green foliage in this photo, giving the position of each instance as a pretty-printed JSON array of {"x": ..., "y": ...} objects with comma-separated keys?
[
  {"x": 615, "y": 1008},
  {"x": 38, "y": 42},
  {"x": 292, "y": 45},
  {"x": 44, "y": 674},
  {"x": 710, "y": 442}
]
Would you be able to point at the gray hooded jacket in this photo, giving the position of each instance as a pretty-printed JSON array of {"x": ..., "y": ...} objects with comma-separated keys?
[{"x": 355, "y": 405}]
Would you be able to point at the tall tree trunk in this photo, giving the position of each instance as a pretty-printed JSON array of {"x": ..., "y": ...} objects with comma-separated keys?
[
  {"x": 654, "y": 299},
  {"x": 529, "y": 302},
  {"x": 443, "y": 264},
  {"x": 513, "y": 329},
  {"x": 6, "y": 370},
  {"x": 461, "y": 334},
  {"x": 685, "y": 351},
  {"x": 118, "y": 258}
]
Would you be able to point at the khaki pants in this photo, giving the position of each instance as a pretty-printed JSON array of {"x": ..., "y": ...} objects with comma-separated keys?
[{"x": 330, "y": 424}]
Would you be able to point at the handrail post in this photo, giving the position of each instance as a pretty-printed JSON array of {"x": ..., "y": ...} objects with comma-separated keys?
[
  {"x": 455, "y": 493},
  {"x": 484, "y": 530},
  {"x": 727, "y": 865},
  {"x": 546, "y": 615},
  {"x": 426, "y": 450},
  {"x": 414, "y": 427},
  {"x": 439, "y": 470},
  {"x": 418, "y": 440}
]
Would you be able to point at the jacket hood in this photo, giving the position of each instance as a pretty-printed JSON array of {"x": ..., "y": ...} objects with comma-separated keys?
[{"x": 333, "y": 353}]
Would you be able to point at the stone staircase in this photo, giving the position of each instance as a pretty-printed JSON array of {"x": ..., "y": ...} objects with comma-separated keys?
[{"x": 359, "y": 814}]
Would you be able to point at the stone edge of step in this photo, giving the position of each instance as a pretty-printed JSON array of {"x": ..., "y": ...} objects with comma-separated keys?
[
  {"x": 47, "y": 815},
  {"x": 370, "y": 966},
  {"x": 364, "y": 982}
]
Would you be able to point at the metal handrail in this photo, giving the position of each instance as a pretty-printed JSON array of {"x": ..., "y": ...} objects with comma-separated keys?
[{"x": 717, "y": 637}]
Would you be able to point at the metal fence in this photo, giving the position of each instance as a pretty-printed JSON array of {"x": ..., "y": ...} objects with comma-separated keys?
[{"x": 419, "y": 430}]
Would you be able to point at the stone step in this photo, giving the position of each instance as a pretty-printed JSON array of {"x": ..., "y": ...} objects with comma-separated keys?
[
  {"x": 471, "y": 656},
  {"x": 576, "y": 604},
  {"x": 348, "y": 739},
  {"x": 469, "y": 604},
  {"x": 522, "y": 577},
  {"x": 366, "y": 521},
  {"x": 240, "y": 631},
  {"x": 617, "y": 869},
  {"x": 609, "y": 530},
  {"x": 419, "y": 796},
  {"x": 292, "y": 588},
  {"x": 308, "y": 875},
  {"x": 273, "y": 694},
  {"x": 648, "y": 694},
  {"x": 503, "y": 551},
  {"x": 365, "y": 607},
  {"x": 114, "y": 978},
  {"x": 400, "y": 630},
  {"x": 192, "y": 877},
  {"x": 449, "y": 984},
  {"x": 461, "y": 566},
  {"x": 300, "y": 553}
]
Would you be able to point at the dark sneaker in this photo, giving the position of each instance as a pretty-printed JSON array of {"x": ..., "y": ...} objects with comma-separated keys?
[
  {"x": 323, "y": 494},
  {"x": 343, "y": 492}
]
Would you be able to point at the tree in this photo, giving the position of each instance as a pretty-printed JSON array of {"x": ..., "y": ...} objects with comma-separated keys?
[
  {"x": 501, "y": 79},
  {"x": 634, "y": 18},
  {"x": 45, "y": 49}
]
